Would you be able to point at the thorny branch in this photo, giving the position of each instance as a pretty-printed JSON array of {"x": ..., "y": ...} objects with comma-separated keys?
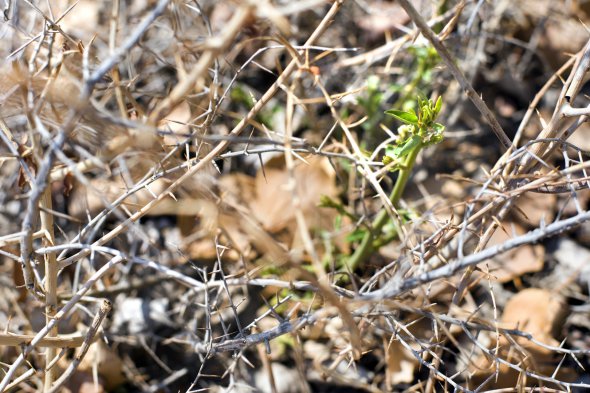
[{"x": 378, "y": 301}]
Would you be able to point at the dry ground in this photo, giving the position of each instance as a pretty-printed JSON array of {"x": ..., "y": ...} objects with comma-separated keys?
[{"x": 184, "y": 184}]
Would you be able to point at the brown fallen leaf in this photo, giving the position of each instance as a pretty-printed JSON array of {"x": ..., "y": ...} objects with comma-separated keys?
[
  {"x": 563, "y": 28},
  {"x": 83, "y": 199},
  {"x": 177, "y": 123},
  {"x": 83, "y": 382},
  {"x": 108, "y": 363},
  {"x": 384, "y": 17},
  {"x": 536, "y": 208},
  {"x": 536, "y": 311},
  {"x": 512, "y": 264},
  {"x": 401, "y": 364},
  {"x": 273, "y": 204},
  {"x": 540, "y": 313},
  {"x": 232, "y": 215}
]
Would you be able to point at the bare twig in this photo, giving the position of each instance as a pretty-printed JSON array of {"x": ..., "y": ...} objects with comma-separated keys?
[
  {"x": 399, "y": 287},
  {"x": 219, "y": 148},
  {"x": 62, "y": 341},
  {"x": 104, "y": 309},
  {"x": 57, "y": 317},
  {"x": 41, "y": 181}
]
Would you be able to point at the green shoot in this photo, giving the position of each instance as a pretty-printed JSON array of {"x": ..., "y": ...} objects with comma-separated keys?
[{"x": 419, "y": 130}]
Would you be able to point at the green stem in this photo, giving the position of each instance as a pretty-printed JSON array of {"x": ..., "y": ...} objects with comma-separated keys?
[{"x": 366, "y": 247}]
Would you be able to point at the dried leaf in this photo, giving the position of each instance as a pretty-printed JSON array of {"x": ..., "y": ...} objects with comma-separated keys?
[
  {"x": 384, "y": 17},
  {"x": 83, "y": 199},
  {"x": 401, "y": 364},
  {"x": 273, "y": 205},
  {"x": 512, "y": 264},
  {"x": 83, "y": 20},
  {"x": 108, "y": 363},
  {"x": 537, "y": 207},
  {"x": 83, "y": 382},
  {"x": 177, "y": 123},
  {"x": 536, "y": 311}
]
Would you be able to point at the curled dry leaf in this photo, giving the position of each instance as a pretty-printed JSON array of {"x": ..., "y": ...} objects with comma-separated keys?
[
  {"x": 253, "y": 209},
  {"x": 542, "y": 314},
  {"x": 273, "y": 204},
  {"x": 83, "y": 382},
  {"x": 83, "y": 21},
  {"x": 177, "y": 123},
  {"x": 109, "y": 365},
  {"x": 231, "y": 214},
  {"x": 84, "y": 200},
  {"x": 510, "y": 265},
  {"x": 383, "y": 17},
  {"x": 401, "y": 364},
  {"x": 537, "y": 311},
  {"x": 536, "y": 208}
]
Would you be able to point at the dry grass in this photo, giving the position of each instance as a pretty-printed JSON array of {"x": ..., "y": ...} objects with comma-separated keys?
[{"x": 162, "y": 165}]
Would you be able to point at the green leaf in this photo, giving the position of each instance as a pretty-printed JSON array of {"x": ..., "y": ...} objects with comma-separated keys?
[
  {"x": 373, "y": 83},
  {"x": 410, "y": 144},
  {"x": 406, "y": 117},
  {"x": 326, "y": 201},
  {"x": 438, "y": 105},
  {"x": 329, "y": 203},
  {"x": 438, "y": 127},
  {"x": 409, "y": 105},
  {"x": 426, "y": 114},
  {"x": 356, "y": 235},
  {"x": 390, "y": 157},
  {"x": 337, "y": 222}
]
